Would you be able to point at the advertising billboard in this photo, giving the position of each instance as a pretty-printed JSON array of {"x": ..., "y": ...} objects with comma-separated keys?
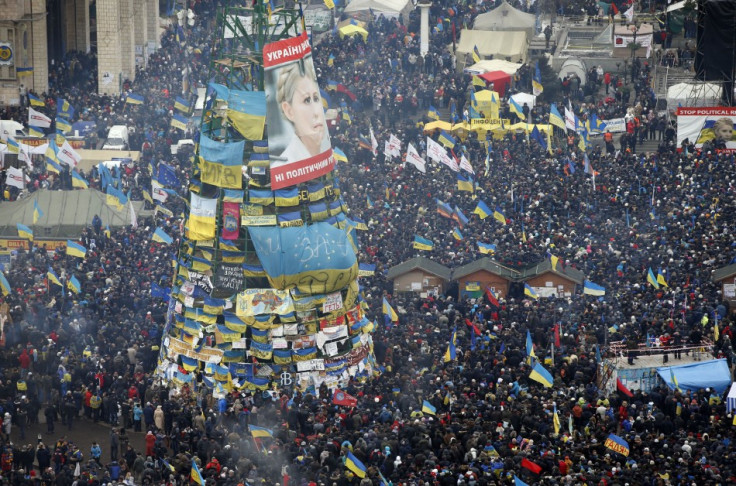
[
  {"x": 298, "y": 139},
  {"x": 707, "y": 124}
]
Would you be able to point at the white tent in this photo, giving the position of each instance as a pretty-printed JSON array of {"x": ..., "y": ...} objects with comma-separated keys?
[
  {"x": 488, "y": 65},
  {"x": 521, "y": 98},
  {"x": 510, "y": 45},
  {"x": 389, "y": 8},
  {"x": 691, "y": 94},
  {"x": 505, "y": 17}
]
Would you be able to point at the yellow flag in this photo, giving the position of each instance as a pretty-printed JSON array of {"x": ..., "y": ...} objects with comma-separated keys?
[{"x": 330, "y": 4}]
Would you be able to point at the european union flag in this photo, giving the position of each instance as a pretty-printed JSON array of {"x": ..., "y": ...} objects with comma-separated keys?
[{"x": 167, "y": 175}]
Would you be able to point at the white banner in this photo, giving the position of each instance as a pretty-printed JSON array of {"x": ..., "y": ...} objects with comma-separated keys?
[
  {"x": 437, "y": 152},
  {"x": 68, "y": 155},
  {"x": 38, "y": 119},
  {"x": 413, "y": 158},
  {"x": 157, "y": 192},
  {"x": 14, "y": 177},
  {"x": 643, "y": 41},
  {"x": 394, "y": 146},
  {"x": 465, "y": 164}
]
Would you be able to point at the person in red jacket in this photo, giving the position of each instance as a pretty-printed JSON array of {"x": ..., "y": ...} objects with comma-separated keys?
[
  {"x": 25, "y": 363},
  {"x": 607, "y": 81}
]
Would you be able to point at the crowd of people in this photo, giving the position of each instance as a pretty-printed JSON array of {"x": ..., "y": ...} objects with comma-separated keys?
[{"x": 90, "y": 356}]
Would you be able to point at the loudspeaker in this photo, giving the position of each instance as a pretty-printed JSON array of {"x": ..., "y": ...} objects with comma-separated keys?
[{"x": 716, "y": 40}]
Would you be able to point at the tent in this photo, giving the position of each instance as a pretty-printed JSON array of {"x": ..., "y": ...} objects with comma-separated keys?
[
  {"x": 487, "y": 65},
  {"x": 527, "y": 98},
  {"x": 693, "y": 94},
  {"x": 65, "y": 213},
  {"x": 506, "y": 17},
  {"x": 352, "y": 30},
  {"x": 731, "y": 399},
  {"x": 500, "y": 81},
  {"x": 712, "y": 374},
  {"x": 511, "y": 46},
  {"x": 387, "y": 8}
]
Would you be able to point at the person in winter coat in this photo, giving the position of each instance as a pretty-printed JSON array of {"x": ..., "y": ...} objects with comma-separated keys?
[{"x": 158, "y": 418}]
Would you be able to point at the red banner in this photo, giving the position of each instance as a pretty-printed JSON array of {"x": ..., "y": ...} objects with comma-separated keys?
[
  {"x": 342, "y": 398},
  {"x": 286, "y": 50},
  {"x": 293, "y": 173},
  {"x": 230, "y": 220}
]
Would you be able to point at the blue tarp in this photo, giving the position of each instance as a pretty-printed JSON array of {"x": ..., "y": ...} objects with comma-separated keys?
[
  {"x": 712, "y": 374},
  {"x": 317, "y": 259}
]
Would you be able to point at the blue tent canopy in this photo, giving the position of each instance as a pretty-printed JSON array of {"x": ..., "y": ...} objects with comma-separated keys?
[{"x": 712, "y": 374}]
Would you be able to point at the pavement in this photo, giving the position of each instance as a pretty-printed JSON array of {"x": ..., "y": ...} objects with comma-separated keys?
[{"x": 83, "y": 432}]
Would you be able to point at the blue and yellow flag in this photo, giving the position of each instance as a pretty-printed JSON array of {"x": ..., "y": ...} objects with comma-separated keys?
[
  {"x": 256, "y": 431},
  {"x": 529, "y": 345},
  {"x": 134, "y": 99},
  {"x": 331, "y": 60},
  {"x": 179, "y": 121},
  {"x": 660, "y": 278},
  {"x": 476, "y": 54},
  {"x": 555, "y": 118},
  {"x": 389, "y": 311},
  {"x": 36, "y": 132},
  {"x": 64, "y": 108},
  {"x": 652, "y": 279},
  {"x": 75, "y": 249},
  {"x": 181, "y": 104},
  {"x": 63, "y": 125},
  {"x": 673, "y": 378},
  {"x": 422, "y": 243},
  {"x": 617, "y": 444},
  {"x": 486, "y": 248},
  {"x": 339, "y": 155},
  {"x": 78, "y": 181},
  {"x": 482, "y": 210},
  {"x": 354, "y": 464},
  {"x": 529, "y": 292},
  {"x": 457, "y": 235},
  {"x": 37, "y": 213},
  {"x": 433, "y": 114},
  {"x": 451, "y": 354},
  {"x": 499, "y": 216},
  {"x": 116, "y": 197},
  {"x": 541, "y": 375},
  {"x": 160, "y": 236},
  {"x": 464, "y": 183},
  {"x": 246, "y": 110},
  {"x": 35, "y": 100},
  {"x": 24, "y": 231},
  {"x": 74, "y": 285},
  {"x": 428, "y": 408},
  {"x": 447, "y": 139},
  {"x": 52, "y": 277},
  {"x": 515, "y": 108},
  {"x": 4, "y": 284},
  {"x": 221, "y": 162},
  {"x": 195, "y": 475}
]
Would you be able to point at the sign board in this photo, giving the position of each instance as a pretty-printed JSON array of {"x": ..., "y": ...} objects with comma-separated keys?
[{"x": 229, "y": 277}]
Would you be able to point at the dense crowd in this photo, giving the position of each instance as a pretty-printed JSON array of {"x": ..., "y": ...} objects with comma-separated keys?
[{"x": 90, "y": 356}]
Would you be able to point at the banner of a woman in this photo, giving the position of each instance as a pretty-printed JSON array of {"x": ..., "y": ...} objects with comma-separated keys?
[
  {"x": 298, "y": 140},
  {"x": 707, "y": 125}
]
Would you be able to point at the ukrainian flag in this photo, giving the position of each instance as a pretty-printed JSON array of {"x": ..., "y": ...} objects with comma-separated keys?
[
  {"x": 464, "y": 183},
  {"x": 451, "y": 353},
  {"x": 160, "y": 236},
  {"x": 660, "y": 278},
  {"x": 247, "y": 112},
  {"x": 346, "y": 117},
  {"x": 486, "y": 248},
  {"x": 674, "y": 380},
  {"x": 476, "y": 54},
  {"x": 181, "y": 104},
  {"x": 74, "y": 285},
  {"x": 482, "y": 210},
  {"x": 556, "y": 421},
  {"x": 134, "y": 99},
  {"x": 286, "y": 197},
  {"x": 529, "y": 292},
  {"x": 178, "y": 121},
  {"x": 195, "y": 475},
  {"x": 590, "y": 288},
  {"x": 447, "y": 139},
  {"x": 541, "y": 375},
  {"x": 515, "y": 108},
  {"x": 428, "y": 408},
  {"x": 331, "y": 60},
  {"x": 529, "y": 345},
  {"x": 115, "y": 197},
  {"x": 63, "y": 125},
  {"x": 35, "y": 100},
  {"x": 13, "y": 146},
  {"x": 64, "y": 108},
  {"x": 555, "y": 118},
  {"x": 24, "y": 231},
  {"x": 457, "y": 235},
  {"x": 36, "y": 132},
  {"x": 37, "y": 213},
  {"x": 499, "y": 216},
  {"x": 4, "y": 284},
  {"x": 75, "y": 249},
  {"x": 354, "y": 464},
  {"x": 433, "y": 114},
  {"x": 339, "y": 155},
  {"x": 422, "y": 243},
  {"x": 368, "y": 202},
  {"x": 652, "y": 279},
  {"x": 78, "y": 181},
  {"x": 52, "y": 277},
  {"x": 389, "y": 311},
  {"x": 256, "y": 431}
]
